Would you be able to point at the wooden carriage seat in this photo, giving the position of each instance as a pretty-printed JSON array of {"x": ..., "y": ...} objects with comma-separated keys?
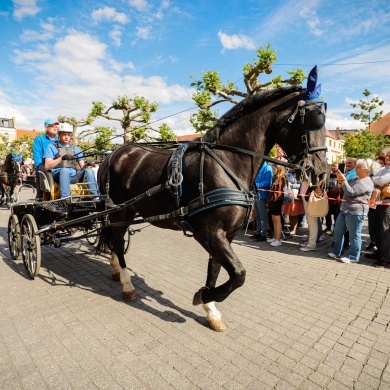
[{"x": 51, "y": 189}]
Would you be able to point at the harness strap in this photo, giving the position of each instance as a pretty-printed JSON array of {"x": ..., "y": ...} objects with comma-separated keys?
[
  {"x": 227, "y": 169},
  {"x": 201, "y": 186},
  {"x": 216, "y": 198}
]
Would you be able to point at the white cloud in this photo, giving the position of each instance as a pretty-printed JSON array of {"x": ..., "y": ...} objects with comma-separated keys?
[
  {"x": 312, "y": 20},
  {"x": 47, "y": 32},
  {"x": 110, "y": 14},
  {"x": 116, "y": 35},
  {"x": 140, "y": 5},
  {"x": 23, "y": 8},
  {"x": 143, "y": 32},
  {"x": 78, "y": 70},
  {"x": 334, "y": 120},
  {"x": 235, "y": 41}
]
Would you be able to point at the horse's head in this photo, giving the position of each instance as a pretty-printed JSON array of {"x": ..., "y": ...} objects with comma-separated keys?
[
  {"x": 12, "y": 163},
  {"x": 304, "y": 137}
]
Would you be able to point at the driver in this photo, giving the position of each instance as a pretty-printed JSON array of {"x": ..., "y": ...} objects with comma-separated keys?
[{"x": 66, "y": 162}]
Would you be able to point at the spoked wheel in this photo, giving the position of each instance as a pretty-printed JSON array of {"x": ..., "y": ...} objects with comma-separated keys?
[
  {"x": 127, "y": 238},
  {"x": 93, "y": 240},
  {"x": 31, "y": 245},
  {"x": 14, "y": 236}
]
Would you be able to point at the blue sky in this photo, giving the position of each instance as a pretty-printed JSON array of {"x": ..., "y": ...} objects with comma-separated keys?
[{"x": 59, "y": 56}]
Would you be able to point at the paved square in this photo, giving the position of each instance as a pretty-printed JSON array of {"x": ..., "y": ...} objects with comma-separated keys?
[{"x": 301, "y": 320}]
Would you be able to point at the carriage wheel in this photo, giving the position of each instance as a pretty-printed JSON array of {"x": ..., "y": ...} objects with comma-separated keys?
[
  {"x": 127, "y": 239},
  {"x": 94, "y": 239},
  {"x": 14, "y": 236},
  {"x": 31, "y": 245}
]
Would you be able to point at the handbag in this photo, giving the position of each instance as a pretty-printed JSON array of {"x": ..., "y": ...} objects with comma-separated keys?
[
  {"x": 317, "y": 206},
  {"x": 385, "y": 191},
  {"x": 288, "y": 195}
]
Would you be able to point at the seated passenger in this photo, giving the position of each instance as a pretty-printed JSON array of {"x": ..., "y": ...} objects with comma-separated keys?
[{"x": 66, "y": 162}]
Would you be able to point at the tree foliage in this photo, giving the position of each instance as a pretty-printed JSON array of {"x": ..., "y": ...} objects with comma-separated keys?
[
  {"x": 16, "y": 146},
  {"x": 76, "y": 123},
  {"x": 135, "y": 120},
  {"x": 102, "y": 141},
  {"x": 210, "y": 90},
  {"x": 365, "y": 144},
  {"x": 368, "y": 113}
]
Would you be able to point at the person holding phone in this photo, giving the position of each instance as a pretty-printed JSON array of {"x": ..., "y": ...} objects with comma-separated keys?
[{"x": 353, "y": 210}]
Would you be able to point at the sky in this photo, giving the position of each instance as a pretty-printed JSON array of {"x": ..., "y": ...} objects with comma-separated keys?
[{"x": 60, "y": 56}]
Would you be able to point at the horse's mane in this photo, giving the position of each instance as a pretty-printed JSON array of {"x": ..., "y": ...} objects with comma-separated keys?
[{"x": 245, "y": 107}]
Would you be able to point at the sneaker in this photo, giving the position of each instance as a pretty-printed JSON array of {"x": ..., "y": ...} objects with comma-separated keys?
[
  {"x": 276, "y": 243},
  {"x": 269, "y": 240},
  {"x": 370, "y": 246},
  {"x": 321, "y": 238},
  {"x": 261, "y": 238},
  {"x": 346, "y": 260},
  {"x": 307, "y": 249},
  {"x": 304, "y": 243},
  {"x": 328, "y": 231},
  {"x": 332, "y": 255}
]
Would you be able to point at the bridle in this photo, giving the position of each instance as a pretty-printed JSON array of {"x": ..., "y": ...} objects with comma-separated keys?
[{"x": 319, "y": 108}]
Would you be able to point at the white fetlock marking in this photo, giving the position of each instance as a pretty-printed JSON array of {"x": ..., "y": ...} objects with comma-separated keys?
[
  {"x": 125, "y": 280},
  {"x": 115, "y": 264},
  {"x": 212, "y": 312}
]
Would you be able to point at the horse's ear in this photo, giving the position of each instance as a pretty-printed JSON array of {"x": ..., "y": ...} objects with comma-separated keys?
[{"x": 313, "y": 91}]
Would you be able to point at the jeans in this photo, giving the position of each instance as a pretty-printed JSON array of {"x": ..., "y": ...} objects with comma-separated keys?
[
  {"x": 261, "y": 217},
  {"x": 65, "y": 177},
  {"x": 354, "y": 224},
  {"x": 313, "y": 225}
]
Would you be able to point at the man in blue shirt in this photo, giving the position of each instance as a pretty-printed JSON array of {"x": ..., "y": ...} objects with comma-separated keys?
[
  {"x": 42, "y": 141},
  {"x": 66, "y": 162},
  {"x": 263, "y": 184}
]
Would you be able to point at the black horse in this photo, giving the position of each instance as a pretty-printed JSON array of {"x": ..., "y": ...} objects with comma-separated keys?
[
  {"x": 9, "y": 177},
  {"x": 205, "y": 188}
]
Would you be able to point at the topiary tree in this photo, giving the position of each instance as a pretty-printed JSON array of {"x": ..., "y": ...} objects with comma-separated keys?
[
  {"x": 135, "y": 120},
  {"x": 210, "y": 91}
]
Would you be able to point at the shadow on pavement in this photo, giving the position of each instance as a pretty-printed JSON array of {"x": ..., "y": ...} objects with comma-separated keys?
[{"x": 74, "y": 266}]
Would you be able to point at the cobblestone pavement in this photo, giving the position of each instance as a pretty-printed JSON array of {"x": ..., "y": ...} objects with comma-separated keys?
[{"x": 301, "y": 320}]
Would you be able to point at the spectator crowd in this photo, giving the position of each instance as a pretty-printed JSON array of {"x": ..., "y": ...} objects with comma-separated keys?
[{"x": 354, "y": 191}]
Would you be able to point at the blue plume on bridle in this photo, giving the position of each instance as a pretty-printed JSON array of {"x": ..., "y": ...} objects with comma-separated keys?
[{"x": 313, "y": 91}]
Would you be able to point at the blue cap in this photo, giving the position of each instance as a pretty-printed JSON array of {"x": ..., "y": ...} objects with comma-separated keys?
[
  {"x": 51, "y": 121},
  {"x": 313, "y": 91}
]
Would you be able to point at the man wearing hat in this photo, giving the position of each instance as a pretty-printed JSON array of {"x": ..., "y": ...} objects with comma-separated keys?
[
  {"x": 66, "y": 162},
  {"x": 42, "y": 141}
]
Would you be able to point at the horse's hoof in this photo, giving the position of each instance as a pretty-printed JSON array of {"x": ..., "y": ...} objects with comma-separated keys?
[
  {"x": 217, "y": 325},
  {"x": 129, "y": 296},
  {"x": 197, "y": 300},
  {"x": 116, "y": 277}
]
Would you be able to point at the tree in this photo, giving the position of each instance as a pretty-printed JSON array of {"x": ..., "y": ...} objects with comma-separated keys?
[
  {"x": 365, "y": 144},
  {"x": 367, "y": 115},
  {"x": 16, "y": 146},
  {"x": 76, "y": 123},
  {"x": 135, "y": 120},
  {"x": 210, "y": 91}
]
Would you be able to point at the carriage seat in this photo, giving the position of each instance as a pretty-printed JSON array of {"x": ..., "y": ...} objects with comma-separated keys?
[
  {"x": 45, "y": 179},
  {"x": 51, "y": 189}
]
